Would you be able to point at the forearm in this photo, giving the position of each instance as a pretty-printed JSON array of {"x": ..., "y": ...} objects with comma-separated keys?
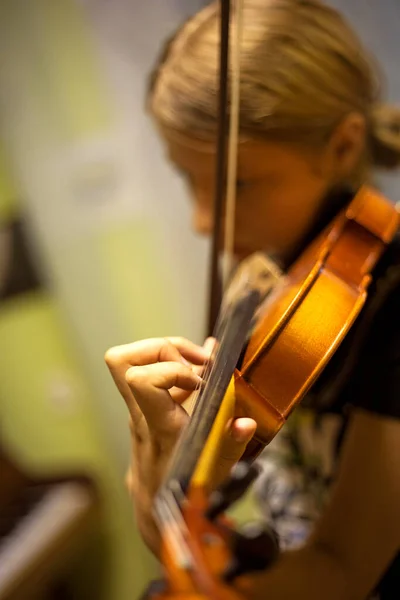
[{"x": 307, "y": 574}]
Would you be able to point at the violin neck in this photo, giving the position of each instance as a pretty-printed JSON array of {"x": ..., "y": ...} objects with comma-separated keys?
[{"x": 231, "y": 336}]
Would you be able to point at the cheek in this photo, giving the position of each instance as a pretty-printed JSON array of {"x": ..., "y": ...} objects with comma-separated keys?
[
  {"x": 295, "y": 196},
  {"x": 257, "y": 206},
  {"x": 273, "y": 214},
  {"x": 257, "y": 217}
]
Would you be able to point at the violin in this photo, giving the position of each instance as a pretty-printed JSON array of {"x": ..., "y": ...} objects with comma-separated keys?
[{"x": 275, "y": 334}]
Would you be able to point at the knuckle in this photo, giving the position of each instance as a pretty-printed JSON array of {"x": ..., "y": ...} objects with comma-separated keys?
[
  {"x": 128, "y": 480},
  {"x": 131, "y": 484},
  {"x": 114, "y": 356},
  {"x": 178, "y": 340},
  {"x": 178, "y": 369},
  {"x": 165, "y": 344},
  {"x": 135, "y": 376}
]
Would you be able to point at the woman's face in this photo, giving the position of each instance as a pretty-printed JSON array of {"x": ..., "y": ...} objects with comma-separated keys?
[{"x": 279, "y": 190}]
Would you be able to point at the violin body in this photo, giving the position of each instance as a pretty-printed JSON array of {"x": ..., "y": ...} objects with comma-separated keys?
[{"x": 306, "y": 319}]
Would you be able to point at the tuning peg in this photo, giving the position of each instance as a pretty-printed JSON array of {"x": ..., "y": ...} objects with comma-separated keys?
[
  {"x": 255, "y": 547},
  {"x": 241, "y": 477}
]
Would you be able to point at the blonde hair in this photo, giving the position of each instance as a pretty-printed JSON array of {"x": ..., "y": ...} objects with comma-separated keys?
[{"x": 303, "y": 70}]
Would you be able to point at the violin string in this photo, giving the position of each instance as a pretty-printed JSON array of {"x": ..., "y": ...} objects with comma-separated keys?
[
  {"x": 231, "y": 338},
  {"x": 229, "y": 235},
  {"x": 170, "y": 521},
  {"x": 206, "y": 367}
]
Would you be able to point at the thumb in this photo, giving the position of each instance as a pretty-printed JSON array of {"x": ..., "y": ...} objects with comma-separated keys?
[{"x": 234, "y": 444}]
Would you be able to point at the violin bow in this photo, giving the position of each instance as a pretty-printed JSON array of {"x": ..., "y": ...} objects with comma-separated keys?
[{"x": 226, "y": 161}]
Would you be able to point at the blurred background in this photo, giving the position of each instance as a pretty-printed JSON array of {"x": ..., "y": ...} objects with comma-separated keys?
[{"x": 95, "y": 250}]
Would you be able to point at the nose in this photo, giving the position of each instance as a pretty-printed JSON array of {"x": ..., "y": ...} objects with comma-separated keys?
[{"x": 203, "y": 220}]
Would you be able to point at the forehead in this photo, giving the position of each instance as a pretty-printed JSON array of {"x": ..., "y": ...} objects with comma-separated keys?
[{"x": 255, "y": 158}]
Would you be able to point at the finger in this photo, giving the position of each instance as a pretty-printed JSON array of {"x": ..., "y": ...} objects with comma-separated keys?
[
  {"x": 243, "y": 429},
  {"x": 234, "y": 444},
  {"x": 154, "y": 350},
  {"x": 120, "y": 358},
  {"x": 150, "y": 386},
  {"x": 179, "y": 396},
  {"x": 192, "y": 352}
]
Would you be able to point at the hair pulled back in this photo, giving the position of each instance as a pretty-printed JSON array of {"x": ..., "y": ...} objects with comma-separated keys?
[{"x": 303, "y": 70}]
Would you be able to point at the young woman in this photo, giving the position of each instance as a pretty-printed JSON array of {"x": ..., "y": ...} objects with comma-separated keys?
[{"x": 312, "y": 128}]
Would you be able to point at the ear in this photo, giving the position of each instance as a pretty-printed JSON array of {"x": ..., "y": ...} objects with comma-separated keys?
[{"x": 347, "y": 145}]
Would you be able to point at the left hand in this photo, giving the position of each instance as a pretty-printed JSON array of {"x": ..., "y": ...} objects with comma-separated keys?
[{"x": 155, "y": 377}]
